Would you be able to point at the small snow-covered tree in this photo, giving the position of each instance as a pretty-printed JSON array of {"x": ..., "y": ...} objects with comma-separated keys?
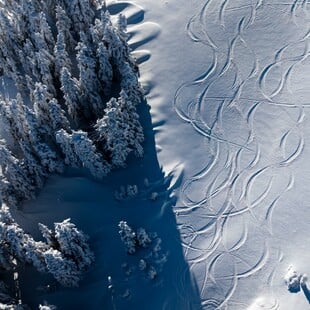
[
  {"x": 128, "y": 237},
  {"x": 133, "y": 130},
  {"x": 110, "y": 132},
  {"x": 63, "y": 138},
  {"x": 62, "y": 269},
  {"x": 48, "y": 235},
  {"x": 130, "y": 84},
  {"x": 88, "y": 155},
  {"x": 143, "y": 238},
  {"x": 15, "y": 175},
  {"x": 49, "y": 114},
  {"x": 65, "y": 262},
  {"x": 49, "y": 159},
  {"x": 73, "y": 243},
  {"x": 47, "y": 307}
]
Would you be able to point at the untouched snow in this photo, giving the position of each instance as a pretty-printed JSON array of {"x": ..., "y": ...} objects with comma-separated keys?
[{"x": 228, "y": 171}]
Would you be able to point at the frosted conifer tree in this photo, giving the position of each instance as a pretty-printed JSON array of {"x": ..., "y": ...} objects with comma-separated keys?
[
  {"x": 62, "y": 269},
  {"x": 130, "y": 84},
  {"x": 105, "y": 72},
  {"x": 48, "y": 235},
  {"x": 88, "y": 80},
  {"x": 45, "y": 64},
  {"x": 143, "y": 238},
  {"x": 133, "y": 130},
  {"x": 63, "y": 138},
  {"x": 46, "y": 32},
  {"x": 111, "y": 134},
  {"x": 41, "y": 97},
  {"x": 64, "y": 25},
  {"x": 73, "y": 243},
  {"x": 128, "y": 237},
  {"x": 88, "y": 155},
  {"x": 35, "y": 172},
  {"x": 71, "y": 91},
  {"x": 14, "y": 174},
  {"x": 61, "y": 56}
]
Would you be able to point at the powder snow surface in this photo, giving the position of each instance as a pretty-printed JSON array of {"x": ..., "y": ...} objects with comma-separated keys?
[{"x": 228, "y": 86}]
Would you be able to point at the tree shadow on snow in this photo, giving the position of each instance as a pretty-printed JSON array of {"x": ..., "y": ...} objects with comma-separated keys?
[
  {"x": 153, "y": 278},
  {"x": 117, "y": 280}
]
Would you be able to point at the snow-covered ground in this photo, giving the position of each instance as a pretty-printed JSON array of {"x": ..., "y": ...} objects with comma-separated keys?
[{"x": 226, "y": 163}]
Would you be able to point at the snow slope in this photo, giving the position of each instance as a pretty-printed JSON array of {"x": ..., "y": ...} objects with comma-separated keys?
[
  {"x": 230, "y": 89},
  {"x": 227, "y": 85}
]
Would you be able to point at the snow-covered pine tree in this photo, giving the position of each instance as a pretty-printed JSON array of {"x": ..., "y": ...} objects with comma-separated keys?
[
  {"x": 45, "y": 62},
  {"x": 109, "y": 130},
  {"x": 73, "y": 244},
  {"x": 19, "y": 184},
  {"x": 46, "y": 31},
  {"x": 35, "y": 172},
  {"x": 81, "y": 13},
  {"x": 133, "y": 130},
  {"x": 122, "y": 27},
  {"x": 71, "y": 91},
  {"x": 9, "y": 121},
  {"x": 66, "y": 263},
  {"x": 48, "y": 235},
  {"x": 49, "y": 114},
  {"x": 60, "y": 53},
  {"x": 128, "y": 237},
  {"x": 64, "y": 25},
  {"x": 130, "y": 84},
  {"x": 63, "y": 139},
  {"x": 88, "y": 155},
  {"x": 63, "y": 270},
  {"x": 88, "y": 81},
  {"x": 105, "y": 72},
  {"x": 41, "y": 96}
]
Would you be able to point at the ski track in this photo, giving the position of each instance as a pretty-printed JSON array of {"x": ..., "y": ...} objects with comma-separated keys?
[{"x": 239, "y": 183}]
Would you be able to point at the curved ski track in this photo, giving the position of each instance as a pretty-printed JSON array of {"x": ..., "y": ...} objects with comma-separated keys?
[{"x": 250, "y": 169}]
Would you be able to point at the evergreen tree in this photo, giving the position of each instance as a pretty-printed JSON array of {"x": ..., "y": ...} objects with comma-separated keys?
[
  {"x": 81, "y": 13},
  {"x": 88, "y": 80},
  {"x": 88, "y": 155},
  {"x": 64, "y": 25},
  {"x": 50, "y": 116},
  {"x": 71, "y": 91},
  {"x": 73, "y": 243},
  {"x": 105, "y": 69},
  {"x": 35, "y": 172},
  {"x": 130, "y": 84},
  {"x": 60, "y": 53},
  {"x": 63, "y": 138},
  {"x": 14, "y": 174},
  {"x": 133, "y": 130},
  {"x": 111, "y": 134},
  {"x": 46, "y": 32},
  {"x": 62, "y": 269}
]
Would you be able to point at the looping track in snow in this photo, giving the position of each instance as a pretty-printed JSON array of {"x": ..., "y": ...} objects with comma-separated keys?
[{"x": 249, "y": 105}]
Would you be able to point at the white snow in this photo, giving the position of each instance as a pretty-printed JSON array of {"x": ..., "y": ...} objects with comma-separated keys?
[{"x": 228, "y": 86}]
